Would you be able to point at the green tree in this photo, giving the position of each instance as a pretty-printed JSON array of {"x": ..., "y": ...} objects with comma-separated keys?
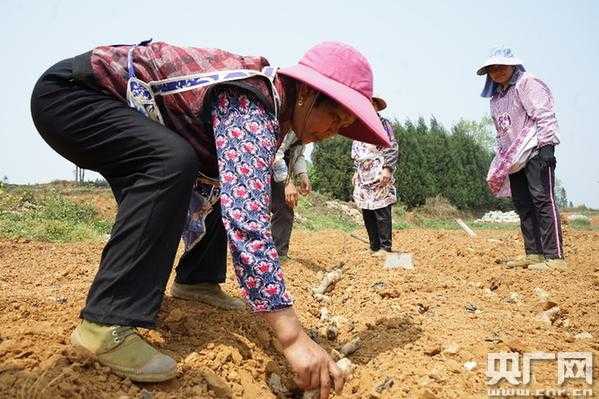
[
  {"x": 482, "y": 131},
  {"x": 561, "y": 198},
  {"x": 432, "y": 161}
]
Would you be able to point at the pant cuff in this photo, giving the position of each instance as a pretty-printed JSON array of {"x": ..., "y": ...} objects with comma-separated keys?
[{"x": 112, "y": 320}]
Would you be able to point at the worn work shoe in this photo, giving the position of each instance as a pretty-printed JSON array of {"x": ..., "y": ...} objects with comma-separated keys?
[
  {"x": 524, "y": 260},
  {"x": 381, "y": 253},
  {"x": 209, "y": 293},
  {"x": 548, "y": 264},
  {"x": 124, "y": 351}
]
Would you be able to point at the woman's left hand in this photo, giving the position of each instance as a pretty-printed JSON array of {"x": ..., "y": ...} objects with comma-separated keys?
[
  {"x": 291, "y": 195},
  {"x": 385, "y": 177}
]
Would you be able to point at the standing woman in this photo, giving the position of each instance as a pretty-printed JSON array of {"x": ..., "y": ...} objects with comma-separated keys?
[
  {"x": 523, "y": 111},
  {"x": 198, "y": 112},
  {"x": 374, "y": 185}
]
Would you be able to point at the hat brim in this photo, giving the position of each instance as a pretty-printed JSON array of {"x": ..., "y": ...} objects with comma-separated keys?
[
  {"x": 367, "y": 127},
  {"x": 379, "y": 103},
  {"x": 482, "y": 70}
]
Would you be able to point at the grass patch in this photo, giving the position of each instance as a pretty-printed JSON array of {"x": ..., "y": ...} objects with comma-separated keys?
[
  {"x": 582, "y": 224},
  {"x": 47, "y": 215},
  {"x": 313, "y": 214}
]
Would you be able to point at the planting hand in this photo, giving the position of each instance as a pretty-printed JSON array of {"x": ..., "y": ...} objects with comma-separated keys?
[{"x": 312, "y": 366}]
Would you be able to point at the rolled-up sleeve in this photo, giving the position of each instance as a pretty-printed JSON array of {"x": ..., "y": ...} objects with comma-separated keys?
[
  {"x": 245, "y": 139},
  {"x": 538, "y": 103}
]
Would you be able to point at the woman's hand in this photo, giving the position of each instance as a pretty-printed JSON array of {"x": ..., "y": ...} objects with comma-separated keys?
[
  {"x": 291, "y": 194},
  {"x": 385, "y": 176},
  {"x": 304, "y": 182},
  {"x": 313, "y": 368}
]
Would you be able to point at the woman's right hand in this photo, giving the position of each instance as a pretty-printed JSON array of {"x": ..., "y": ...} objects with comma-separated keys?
[{"x": 312, "y": 366}]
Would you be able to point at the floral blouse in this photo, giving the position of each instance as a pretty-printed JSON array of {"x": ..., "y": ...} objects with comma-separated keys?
[
  {"x": 245, "y": 135},
  {"x": 369, "y": 161}
]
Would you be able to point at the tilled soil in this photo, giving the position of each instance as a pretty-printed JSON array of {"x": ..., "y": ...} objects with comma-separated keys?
[{"x": 417, "y": 327}]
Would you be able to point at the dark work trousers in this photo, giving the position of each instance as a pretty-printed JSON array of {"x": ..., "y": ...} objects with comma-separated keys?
[
  {"x": 282, "y": 218},
  {"x": 151, "y": 171},
  {"x": 378, "y": 226},
  {"x": 533, "y": 196},
  {"x": 206, "y": 261}
]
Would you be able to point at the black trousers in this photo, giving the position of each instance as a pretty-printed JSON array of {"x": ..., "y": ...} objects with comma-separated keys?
[
  {"x": 378, "y": 225},
  {"x": 533, "y": 196},
  {"x": 151, "y": 171},
  {"x": 206, "y": 262},
  {"x": 282, "y": 218}
]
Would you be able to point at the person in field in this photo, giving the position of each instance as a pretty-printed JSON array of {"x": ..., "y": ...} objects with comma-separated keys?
[
  {"x": 523, "y": 111},
  {"x": 186, "y": 138}
]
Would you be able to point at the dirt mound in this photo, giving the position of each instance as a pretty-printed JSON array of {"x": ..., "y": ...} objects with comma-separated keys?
[{"x": 417, "y": 328}]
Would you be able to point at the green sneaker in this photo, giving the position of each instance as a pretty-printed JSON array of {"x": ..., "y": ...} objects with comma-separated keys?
[
  {"x": 210, "y": 293},
  {"x": 124, "y": 351},
  {"x": 548, "y": 264},
  {"x": 524, "y": 260}
]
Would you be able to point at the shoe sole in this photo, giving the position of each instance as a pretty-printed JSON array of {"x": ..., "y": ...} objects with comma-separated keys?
[{"x": 131, "y": 374}]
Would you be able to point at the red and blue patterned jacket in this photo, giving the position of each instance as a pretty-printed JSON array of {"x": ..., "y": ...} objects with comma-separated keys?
[{"x": 183, "y": 112}]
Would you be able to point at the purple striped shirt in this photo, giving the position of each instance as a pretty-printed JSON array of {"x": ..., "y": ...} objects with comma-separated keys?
[{"x": 524, "y": 117}]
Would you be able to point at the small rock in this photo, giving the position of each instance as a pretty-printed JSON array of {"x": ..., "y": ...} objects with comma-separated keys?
[
  {"x": 350, "y": 347},
  {"x": 548, "y": 305},
  {"x": 470, "y": 365},
  {"x": 548, "y": 316},
  {"x": 193, "y": 357},
  {"x": 275, "y": 384},
  {"x": 541, "y": 294},
  {"x": 425, "y": 381},
  {"x": 386, "y": 384},
  {"x": 217, "y": 384},
  {"x": 514, "y": 297},
  {"x": 432, "y": 349},
  {"x": 583, "y": 335},
  {"x": 451, "y": 348},
  {"x": 145, "y": 394},
  {"x": 324, "y": 314},
  {"x": 427, "y": 394},
  {"x": 471, "y": 308},
  {"x": 346, "y": 367}
]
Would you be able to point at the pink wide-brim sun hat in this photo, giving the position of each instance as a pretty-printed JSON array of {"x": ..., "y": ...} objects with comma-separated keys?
[{"x": 342, "y": 73}]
